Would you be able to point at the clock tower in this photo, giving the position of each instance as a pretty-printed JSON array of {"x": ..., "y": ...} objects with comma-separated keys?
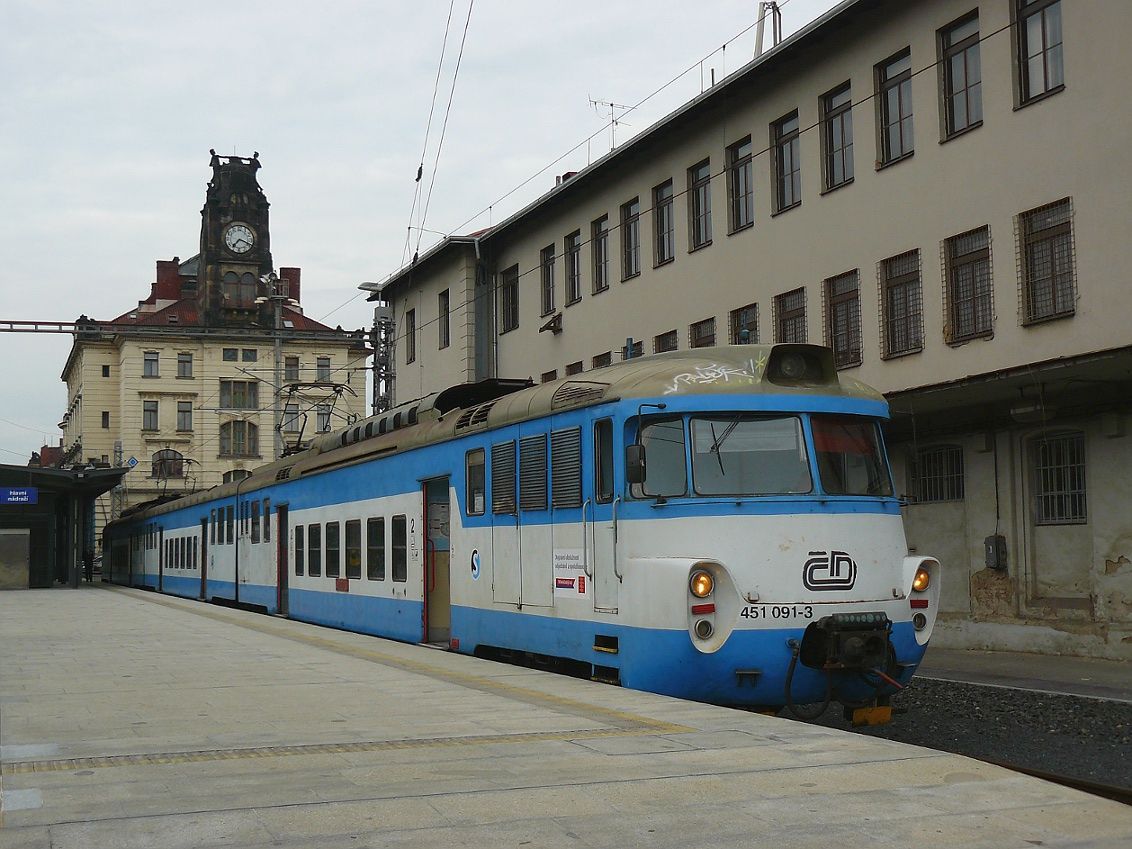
[{"x": 235, "y": 242}]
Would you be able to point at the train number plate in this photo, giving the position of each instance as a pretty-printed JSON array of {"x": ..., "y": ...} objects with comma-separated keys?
[{"x": 777, "y": 611}]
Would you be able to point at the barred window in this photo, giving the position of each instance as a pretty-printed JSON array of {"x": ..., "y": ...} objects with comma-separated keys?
[
  {"x": 574, "y": 368},
  {"x": 1046, "y": 243},
  {"x": 969, "y": 291},
  {"x": 745, "y": 325},
  {"x": 1059, "y": 479},
  {"x": 603, "y": 360},
  {"x": 843, "y": 318},
  {"x": 665, "y": 342},
  {"x": 936, "y": 474},
  {"x": 790, "y": 316},
  {"x": 702, "y": 334},
  {"x": 901, "y": 305}
]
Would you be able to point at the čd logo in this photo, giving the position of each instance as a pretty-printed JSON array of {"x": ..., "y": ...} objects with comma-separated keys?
[{"x": 829, "y": 570}]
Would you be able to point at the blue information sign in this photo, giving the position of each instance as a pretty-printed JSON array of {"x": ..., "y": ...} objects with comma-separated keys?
[{"x": 27, "y": 495}]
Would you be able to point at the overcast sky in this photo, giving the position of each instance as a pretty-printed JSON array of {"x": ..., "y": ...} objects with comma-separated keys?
[{"x": 108, "y": 110}]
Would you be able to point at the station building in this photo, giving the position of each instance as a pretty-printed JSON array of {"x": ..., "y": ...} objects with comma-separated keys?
[
  {"x": 939, "y": 191},
  {"x": 184, "y": 389}
]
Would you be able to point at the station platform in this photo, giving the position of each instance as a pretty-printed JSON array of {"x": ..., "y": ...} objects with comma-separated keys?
[{"x": 133, "y": 720}]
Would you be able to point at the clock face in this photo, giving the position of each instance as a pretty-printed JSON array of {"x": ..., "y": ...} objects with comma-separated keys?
[{"x": 239, "y": 238}]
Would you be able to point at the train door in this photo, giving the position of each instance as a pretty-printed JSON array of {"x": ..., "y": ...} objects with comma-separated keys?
[
  {"x": 535, "y": 557},
  {"x": 437, "y": 571},
  {"x": 282, "y": 547},
  {"x": 506, "y": 577},
  {"x": 203, "y": 558},
  {"x": 160, "y": 557},
  {"x": 602, "y": 553}
]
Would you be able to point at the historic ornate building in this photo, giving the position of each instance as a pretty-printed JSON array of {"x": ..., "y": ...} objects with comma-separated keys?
[{"x": 218, "y": 370}]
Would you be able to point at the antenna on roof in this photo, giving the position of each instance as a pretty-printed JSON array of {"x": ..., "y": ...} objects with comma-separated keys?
[
  {"x": 613, "y": 119},
  {"x": 768, "y": 7}
]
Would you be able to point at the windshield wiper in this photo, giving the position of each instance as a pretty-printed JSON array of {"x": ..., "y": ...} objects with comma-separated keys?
[{"x": 719, "y": 440}]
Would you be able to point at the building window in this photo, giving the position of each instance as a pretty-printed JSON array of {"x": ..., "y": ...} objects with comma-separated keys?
[
  {"x": 232, "y": 477},
  {"x": 1046, "y": 243},
  {"x": 936, "y": 474},
  {"x": 546, "y": 270},
  {"x": 291, "y": 418},
  {"x": 665, "y": 342},
  {"x": 603, "y": 360},
  {"x": 901, "y": 305},
  {"x": 239, "y": 439},
  {"x": 699, "y": 203},
  {"x": 702, "y": 334},
  {"x": 790, "y": 316},
  {"x": 837, "y": 136},
  {"x": 410, "y": 336},
  {"x": 1059, "y": 479},
  {"x": 843, "y": 318},
  {"x": 785, "y": 139},
  {"x": 630, "y": 239},
  {"x": 168, "y": 463},
  {"x": 230, "y": 355},
  {"x": 442, "y": 308},
  {"x": 106, "y": 418},
  {"x": 962, "y": 76},
  {"x": 599, "y": 245},
  {"x": 106, "y": 371},
  {"x": 509, "y": 294},
  {"x": 149, "y": 415},
  {"x": 239, "y": 395},
  {"x": 894, "y": 105},
  {"x": 548, "y": 376},
  {"x": 322, "y": 370},
  {"x": 184, "y": 365},
  {"x": 574, "y": 368},
  {"x": 149, "y": 364},
  {"x": 322, "y": 418},
  {"x": 740, "y": 185},
  {"x": 291, "y": 368},
  {"x": 744, "y": 325},
  {"x": 572, "y": 250},
  {"x": 664, "y": 225},
  {"x": 1039, "y": 48},
  {"x": 970, "y": 306},
  {"x": 184, "y": 416},
  {"x": 249, "y": 355}
]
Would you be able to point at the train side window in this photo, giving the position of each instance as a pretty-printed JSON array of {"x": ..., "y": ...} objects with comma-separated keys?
[
  {"x": 566, "y": 468},
  {"x": 181, "y": 553},
  {"x": 267, "y": 520},
  {"x": 400, "y": 550},
  {"x": 314, "y": 550},
  {"x": 474, "y": 474},
  {"x": 300, "y": 550},
  {"x": 230, "y": 524},
  {"x": 255, "y": 521},
  {"x": 354, "y": 548},
  {"x": 666, "y": 473},
  {"x": 503, "y": 478},
  {"x": 375, "y": 549},
  {"x": 532, "y": 472},
  {"x": 603, "y": 461},
  {"x": 333, "y": 531}
]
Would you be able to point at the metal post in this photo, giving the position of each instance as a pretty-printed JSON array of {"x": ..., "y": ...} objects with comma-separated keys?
[{"x": 277, "y": 427}]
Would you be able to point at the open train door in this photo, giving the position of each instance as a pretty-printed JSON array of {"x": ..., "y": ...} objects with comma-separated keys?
[{"x": 437, "y": 571}]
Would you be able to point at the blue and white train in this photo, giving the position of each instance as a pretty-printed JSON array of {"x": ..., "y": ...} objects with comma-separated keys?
[{"x": 717, "y": 524}]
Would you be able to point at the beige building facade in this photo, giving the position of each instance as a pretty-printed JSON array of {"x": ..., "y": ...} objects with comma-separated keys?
[{"x": 938, "y": 190}]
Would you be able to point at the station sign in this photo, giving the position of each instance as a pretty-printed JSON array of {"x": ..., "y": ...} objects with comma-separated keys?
[{"x": 24, "y": 495}]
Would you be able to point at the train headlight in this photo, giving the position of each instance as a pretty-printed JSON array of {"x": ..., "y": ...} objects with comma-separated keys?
[
  {"x": 701, "y": 583},
  {"x": 922, "y": 580}
]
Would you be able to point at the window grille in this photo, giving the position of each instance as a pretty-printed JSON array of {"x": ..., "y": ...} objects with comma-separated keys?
[
  {"x": 936, "y": 474},
  {"x": 702, "y": 334},
  {"x": 1047, "y": 262},
  {"x": 790, "y": 316},
  {"x": 1059, "y": 479},
  {"x": 745, "y": 324},
  {"x": 901, "y": 305},
  {"x": 843, "y": 318},
  {"x": 969, "y": 291}
]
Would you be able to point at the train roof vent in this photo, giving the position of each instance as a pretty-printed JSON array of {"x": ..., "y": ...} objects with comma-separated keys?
[
  {"x": 480, "y": 415},
  {"x": 465, "y": 418},
  {"x": 283, "y": 474},
  {"x": 575, "y": 393},
  {"x": 413, "y": 415}
]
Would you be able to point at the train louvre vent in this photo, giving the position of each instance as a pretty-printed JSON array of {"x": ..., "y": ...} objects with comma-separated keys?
[
  {"x": 475, "y": 417},
  {"x": 283, "y": 474},
  {"x": 566, "y": 468},
  {"x": 575, "y": 393},
  {"x": 532, "y": 472},
  {"x": 503, "y": 477}
]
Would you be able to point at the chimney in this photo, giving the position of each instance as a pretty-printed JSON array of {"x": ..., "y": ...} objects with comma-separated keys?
[
  {"x": 559, "y": 180},
  {"x": 291, "y": 276},
  {"x": 168, "y": 285}
]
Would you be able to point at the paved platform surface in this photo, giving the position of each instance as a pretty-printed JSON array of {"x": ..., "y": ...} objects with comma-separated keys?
[
  {"x": 1102, "y": 679},
  {"x": 132, "y": 720}
]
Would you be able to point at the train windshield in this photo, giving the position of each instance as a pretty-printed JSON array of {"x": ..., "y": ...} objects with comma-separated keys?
[
  {"x": 849, "y": 456},
  {"x": 741, "y": 454}
]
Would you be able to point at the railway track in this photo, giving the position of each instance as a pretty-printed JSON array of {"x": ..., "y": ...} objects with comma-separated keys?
[{"x": 1107, "y": 791}]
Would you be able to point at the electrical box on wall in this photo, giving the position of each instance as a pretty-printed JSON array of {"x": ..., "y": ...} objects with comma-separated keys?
[{"x": 995, "y": 549}]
